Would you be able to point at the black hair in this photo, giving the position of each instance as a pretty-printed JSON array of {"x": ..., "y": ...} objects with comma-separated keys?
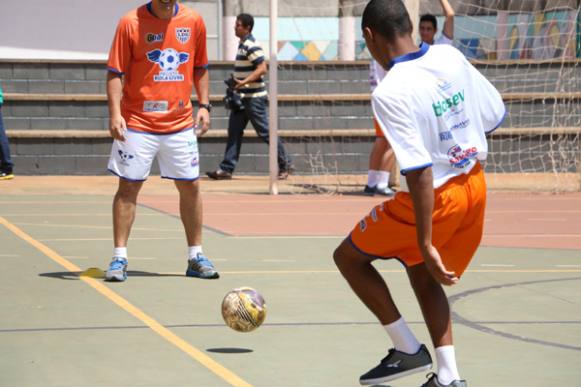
[
  {"x": 430, "y": 18},
  {"x": 246, "y": 19},
  {"x": 388, "y": 18}
]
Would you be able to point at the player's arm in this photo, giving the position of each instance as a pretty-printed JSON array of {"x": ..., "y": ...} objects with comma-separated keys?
[
  {"x": 421, "y": 186},
  {"x": 202, "y": 86},
  {"x": 117, "y": 125},
  {"x": 449, "y": 14},
  {"x": 253, "y": 77}
]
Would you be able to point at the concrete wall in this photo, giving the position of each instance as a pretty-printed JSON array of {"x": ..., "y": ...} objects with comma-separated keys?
[{"x": 76, "y": 29}]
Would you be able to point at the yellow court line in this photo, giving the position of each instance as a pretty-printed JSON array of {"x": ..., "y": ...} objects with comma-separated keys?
[{"x": 193, "y": 352}]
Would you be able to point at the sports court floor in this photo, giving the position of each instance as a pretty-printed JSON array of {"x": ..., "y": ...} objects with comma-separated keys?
[{"x": 517, "y": 310}]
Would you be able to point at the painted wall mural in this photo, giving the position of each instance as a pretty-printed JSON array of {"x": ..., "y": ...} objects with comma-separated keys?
[{"x": 543, "y": 35}]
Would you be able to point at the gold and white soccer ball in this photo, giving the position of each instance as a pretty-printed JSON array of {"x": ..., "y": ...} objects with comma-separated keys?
[{"x": 243, "y": 309}]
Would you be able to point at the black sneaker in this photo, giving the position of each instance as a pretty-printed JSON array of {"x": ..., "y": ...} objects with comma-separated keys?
[
  {"x": 433, "y": 382},
  {"x": 396, "y": 365},
  {"x": 369, "y": 190}
]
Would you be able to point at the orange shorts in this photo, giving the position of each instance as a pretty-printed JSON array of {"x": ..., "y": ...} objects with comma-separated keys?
[
  {"x": 389, "y": 231},
  {"x": 378, "y": 131}
]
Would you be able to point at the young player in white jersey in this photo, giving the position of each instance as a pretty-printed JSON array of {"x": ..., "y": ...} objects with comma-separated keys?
[
  {"x": 435, "y": 109},
  {"x": 429, "y": 26}
]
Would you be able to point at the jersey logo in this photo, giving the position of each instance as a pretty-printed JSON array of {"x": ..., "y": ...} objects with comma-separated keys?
[
  {"x": 154, "y": 38},
  {"x": 460, "y": 158},
  {"x": 168, "y": 60},
  {"x": 183, "y": 34}
]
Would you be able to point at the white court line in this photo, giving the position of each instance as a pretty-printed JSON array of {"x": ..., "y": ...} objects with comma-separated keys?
[
  {"x": 533, "y": 235},
  {"x": 97, "y": 227},
  {"x": 285, "y": 236},
  {"x": 107, "y": 239},
  {"x": 496, "y": 265},
  {"x": 546, "y": 219},
  {"x": 61, "y": 215},
  {"x": 567, "y": 265},
  {"x": 278, "y": 260}
]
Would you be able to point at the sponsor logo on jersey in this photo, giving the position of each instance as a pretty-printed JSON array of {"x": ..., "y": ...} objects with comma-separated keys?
[
  {"x": 461, "y": 125},
  {"x": 443, "y": 84},
  {"x": 155, "y": 106},
  {"x": 154, "y": 38},
  {"x": 460, "y": 158},
  {"x": 445, "y": 136},
  {"x": 183, "y": 34},
  {"x": 168, "y": 61},
  {"x": 447, "y": 104}
]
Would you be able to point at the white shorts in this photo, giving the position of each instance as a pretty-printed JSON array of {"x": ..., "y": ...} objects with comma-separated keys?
[{"x": 177, "y": 155}]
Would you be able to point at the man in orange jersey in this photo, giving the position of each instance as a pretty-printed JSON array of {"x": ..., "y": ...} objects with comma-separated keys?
[
  {"x": 435, "y": 109},
  {"x": 157, "y": 56}
]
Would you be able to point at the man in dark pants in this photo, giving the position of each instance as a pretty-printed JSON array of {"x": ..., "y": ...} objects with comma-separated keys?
[
  {"x": 248, "y": 76},
  {"x": 6, "y": 163}
]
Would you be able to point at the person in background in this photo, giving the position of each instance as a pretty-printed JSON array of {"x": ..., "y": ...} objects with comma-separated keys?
[
  {"x": 249, "y": 70},
  {"x": 429, "y": 26},
  {"x": 6, "y": 164}
]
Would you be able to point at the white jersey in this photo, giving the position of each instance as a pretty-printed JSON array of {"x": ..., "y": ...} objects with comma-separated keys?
[
  {"x": 443, "y": 39},
  {"x": 435, "y": 108},
  {"x": 376, "y": 74}
]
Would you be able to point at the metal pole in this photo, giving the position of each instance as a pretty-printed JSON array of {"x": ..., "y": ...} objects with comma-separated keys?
[{"x": 273, "y": 97}]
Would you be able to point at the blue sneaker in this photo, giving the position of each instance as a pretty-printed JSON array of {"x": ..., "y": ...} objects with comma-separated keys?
[
  {"x": 117, "y": 271},
  {"x": 201, "y": 267}
]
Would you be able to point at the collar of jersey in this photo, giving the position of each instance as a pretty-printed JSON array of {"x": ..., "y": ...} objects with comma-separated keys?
[
  {"x": 410, "y": 56},
  {"x": 175, "y": 12}
]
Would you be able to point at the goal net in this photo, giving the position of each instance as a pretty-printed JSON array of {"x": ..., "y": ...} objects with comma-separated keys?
[{"x": 529, "y": 49}]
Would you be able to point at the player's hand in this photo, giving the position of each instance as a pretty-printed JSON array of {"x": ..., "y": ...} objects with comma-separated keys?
[
  {"x": 202, "y": 122},
  {"x": 117, "y": 127},
  {"x": 437, "y": 269},
  {"x": 239, "y": 83}
]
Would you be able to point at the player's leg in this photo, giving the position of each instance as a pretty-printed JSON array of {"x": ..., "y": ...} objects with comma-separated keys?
[
  {"x": 468, "y": 195},
  {"x": 382, "y": 235},
  {"x": 179, "y": 160},
  {"x": 436, "y": 311},
  {"x": 236, "y": 124},
  {"x": 131, "y": 161},
  {"x": 258, "y": 115},
  {"x": 381, "y": 161},
  {"x": 6, "y": 164}
]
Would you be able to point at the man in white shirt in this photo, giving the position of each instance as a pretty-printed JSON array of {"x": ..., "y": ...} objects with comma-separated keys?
[{"x": 435, "y": 109}]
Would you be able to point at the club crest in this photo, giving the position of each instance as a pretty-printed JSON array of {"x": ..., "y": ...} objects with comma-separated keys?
[{"x": 183, "y": 34}]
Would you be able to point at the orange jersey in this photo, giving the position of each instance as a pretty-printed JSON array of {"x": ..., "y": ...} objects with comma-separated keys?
[{"x": 157, "y": 58}]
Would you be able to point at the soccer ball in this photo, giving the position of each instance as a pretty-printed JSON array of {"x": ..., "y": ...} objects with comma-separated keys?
[
  {"x": 169, "y": 60},
  {"x": 243, "y": 309}
]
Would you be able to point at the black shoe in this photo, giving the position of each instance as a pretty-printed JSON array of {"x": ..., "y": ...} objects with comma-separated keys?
[
  {"x": 219, "y": 175},
  {"x": 396, "y": 365},
  {"x": 369, "y": 190},
  {"x": 283, "y": 174},
  {"x": 434, "y": 382}
]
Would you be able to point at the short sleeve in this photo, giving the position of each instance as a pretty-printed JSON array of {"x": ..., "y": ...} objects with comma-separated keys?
[
  {"x": 395, "y": 117},
  {"x": 201, "y": 55},
  {"x": 255, "y": 54},
  {"x": 120, "y": 53},
  {"x": 492, "y": 109}
]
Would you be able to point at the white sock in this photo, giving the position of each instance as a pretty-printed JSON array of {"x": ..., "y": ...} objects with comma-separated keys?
[
  {"x": 403, "y": 339},
  {"x": 383, "y": 179},
  {"x": 447, "y": 368},
  {"x": 120, "y": 252},
  {"x": 193, "y": 251},
  {"x": 372, "y": 178}
]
